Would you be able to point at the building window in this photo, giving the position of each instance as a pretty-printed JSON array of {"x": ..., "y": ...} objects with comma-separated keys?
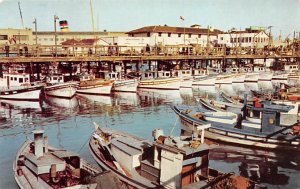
[
  {"x": 250, "y": 39},
  {"x": 159, "y": 34},
  {"x": 51, "y": 39},
  {"x": 148, "y": 34},
  {"x": 179, "y": 35},
  {"x": 231, "y": 40},
  {"x": 3, "y": 37},
  {"x": 222, "y": 38},
  {"x": 199, "y": 36},
  {"x": 190, "y": 35},
  {"x": 20, "y": 80},
  {"x": 169, "y": 34}
]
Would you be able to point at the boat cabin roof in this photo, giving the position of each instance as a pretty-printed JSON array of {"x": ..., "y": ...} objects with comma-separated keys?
[
  {"x": 46, "y": 159},
  {"x": 130, "y": 146},
  {"x": 64, "y": 154}
]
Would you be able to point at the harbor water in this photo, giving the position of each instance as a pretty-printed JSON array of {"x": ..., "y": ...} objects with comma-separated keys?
[{"x": 69, "y": 124}]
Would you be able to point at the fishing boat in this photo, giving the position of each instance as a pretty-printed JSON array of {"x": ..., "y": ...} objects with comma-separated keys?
[
  {"x": 216, "y": 105},
  {"x": 120, "y": 84},
  {"x": 38, "y": 165},
  {"x": 168, "y": 162},
  {"x": 186, "y": 76},
  {"x": 251, "y": 78},
  {"x": 236, "y": 129},
  {"x": 160, "y": 83},
  {"x": 204, "y": 81},
  {"x": 95, "y": 87},
  {"x": 15, "y": 86},
  {"x": 57, "y": 87}
]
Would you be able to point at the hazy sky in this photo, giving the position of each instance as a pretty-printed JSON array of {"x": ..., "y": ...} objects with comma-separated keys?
[{"x": 125, "y": 15}]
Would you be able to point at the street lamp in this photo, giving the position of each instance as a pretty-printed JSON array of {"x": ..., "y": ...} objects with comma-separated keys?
[
  {"x": 55, "y": 35},
  {"x": 35, "y": 26}
]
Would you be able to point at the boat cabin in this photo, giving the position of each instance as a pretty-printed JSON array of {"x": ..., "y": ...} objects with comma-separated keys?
[
  {"x": 233, "y": 70},
  {"x": 164, "y": 74},
  {"x": 109, "y": 75},
  {"x": 148, "y": 75},
  {"x": 291, "y": 67},
  {"x": 259, "y": 69},
  {"x": 14, "y": 80},
  {"x": 267, "y": 112},
  {"x": 53, "y": 79},
  {"x": 182, "y": 73}
]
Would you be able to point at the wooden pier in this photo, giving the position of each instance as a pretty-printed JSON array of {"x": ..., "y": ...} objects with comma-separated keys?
[{"x": 41, "y": 55}]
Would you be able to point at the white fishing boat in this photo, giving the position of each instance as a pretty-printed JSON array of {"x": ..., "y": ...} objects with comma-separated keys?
[
  {"x": 57, "y": 87},
  {"x": 15, "y": 86},
  {"x": 204, "y": 81},
  {"x": 251, "y": 77},
  {"x": 160, "y": 83},
  {"x": 186, "y": 76},
  {"x": 120, "y": 84}
]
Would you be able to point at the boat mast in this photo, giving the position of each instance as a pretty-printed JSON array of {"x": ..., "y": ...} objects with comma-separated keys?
[{"x": 21, "y": 15}]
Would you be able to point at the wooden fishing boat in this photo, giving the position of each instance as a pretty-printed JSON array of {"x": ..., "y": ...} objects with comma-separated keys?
[
  {"x": 168, "y": 162},
  {"x": 16, "y": 86},
  {"x": 241, "y": 131},
  {"x": 38, "y": 165},
  {"x": 95, "y": 87}
]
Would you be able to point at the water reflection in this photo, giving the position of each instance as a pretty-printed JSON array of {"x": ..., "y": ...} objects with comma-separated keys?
[
  {"x": 262, "y": 166},
  {"x": 68, "y": 123}
]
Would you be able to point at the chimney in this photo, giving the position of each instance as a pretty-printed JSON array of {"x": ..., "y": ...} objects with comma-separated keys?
[
  {"x": 64, "y": 26},
  {"x": 38, "y": 142},
  {"x": 45, "y": 144}
]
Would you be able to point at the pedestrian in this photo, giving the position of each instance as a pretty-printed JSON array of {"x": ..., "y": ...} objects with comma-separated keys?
[
  {"x": 90, "y": 52},
  {"x": 6, "y": 49},
  {"x": 26, "y": 50},
  {"x": 20, "y": 51}
]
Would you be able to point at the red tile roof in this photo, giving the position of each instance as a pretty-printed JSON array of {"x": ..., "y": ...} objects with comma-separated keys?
[
  {"x": 168, "y": 29},
  {"x": 79, "y": 42}
]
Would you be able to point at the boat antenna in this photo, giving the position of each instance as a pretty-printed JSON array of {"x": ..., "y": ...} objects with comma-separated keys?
[{"x": 19, "y": 4}]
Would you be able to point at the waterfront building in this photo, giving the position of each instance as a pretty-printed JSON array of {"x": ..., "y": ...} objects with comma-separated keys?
[
  {"x": 48, "y": 37},
  {"x": 167, "y": 35},
  {"x": 250, "y": 37},
  {"x": 16, "y": 36}
]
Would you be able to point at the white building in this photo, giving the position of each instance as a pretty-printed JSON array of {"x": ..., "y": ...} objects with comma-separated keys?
[
  {"x": 166, "y": 35},
  {"x": 250, "y": 37}
]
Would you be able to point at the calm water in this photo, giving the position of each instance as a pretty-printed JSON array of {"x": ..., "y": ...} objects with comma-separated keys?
[{"x": 69, "y": 124}]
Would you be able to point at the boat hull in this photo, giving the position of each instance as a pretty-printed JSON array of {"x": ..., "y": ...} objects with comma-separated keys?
[
  {"x": 163, "y": 84},
  {"x": 30, "y": 94},
  {"x": 66, "y": 90},
  {"x": 95, "y": 90},
  {"x": 125, "y": 86}
]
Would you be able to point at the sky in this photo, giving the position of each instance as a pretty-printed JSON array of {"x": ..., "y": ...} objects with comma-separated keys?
[{"x": 126, "y": 15}]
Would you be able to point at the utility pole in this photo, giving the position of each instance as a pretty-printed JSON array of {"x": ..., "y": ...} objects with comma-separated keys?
[
  {"x": 55, "y": 34},
  {"x": 35, "y": 27}
]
